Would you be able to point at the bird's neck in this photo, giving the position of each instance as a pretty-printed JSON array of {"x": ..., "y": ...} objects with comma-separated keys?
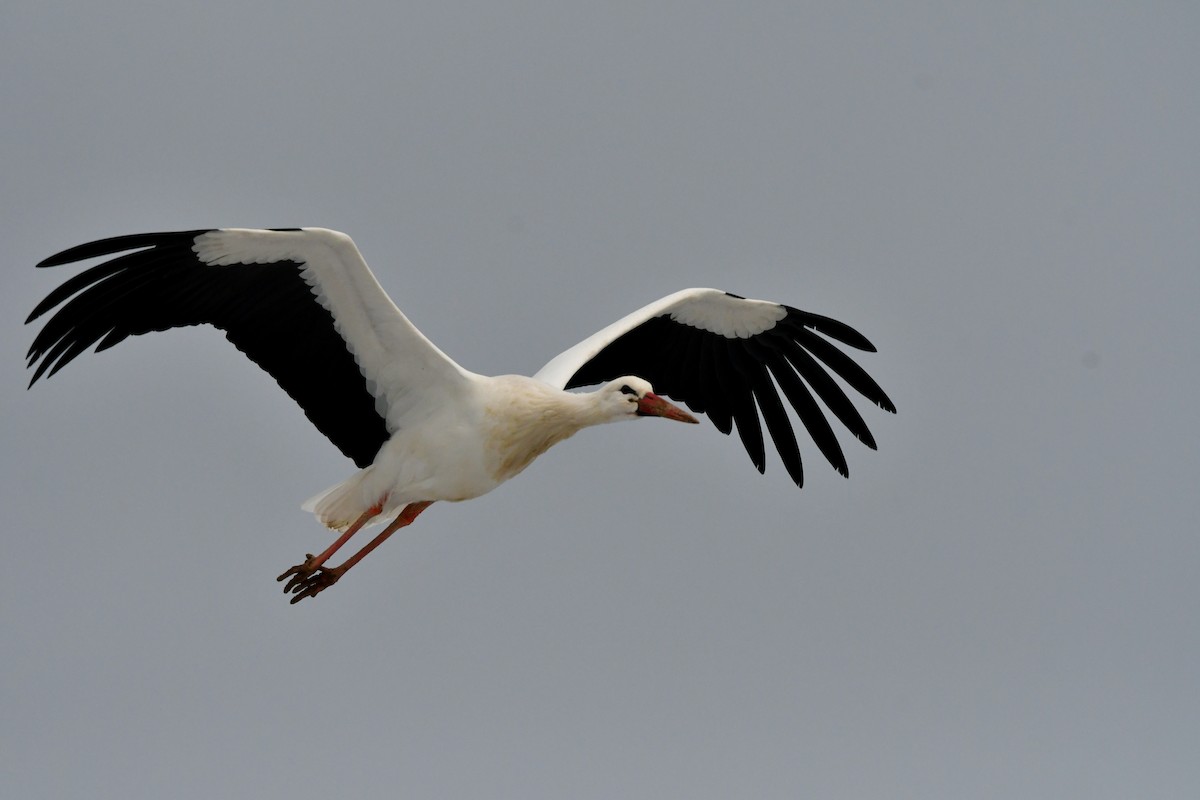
[{"x": 527, "y": 418}]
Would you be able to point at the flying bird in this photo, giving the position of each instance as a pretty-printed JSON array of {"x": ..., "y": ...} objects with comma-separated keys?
[{"x": 303, "y": 305}]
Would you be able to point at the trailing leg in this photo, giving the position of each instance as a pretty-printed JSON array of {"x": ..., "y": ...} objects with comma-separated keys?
[
  {"x": 312, "y": 563},
  {"x": 323, "y": 577}
]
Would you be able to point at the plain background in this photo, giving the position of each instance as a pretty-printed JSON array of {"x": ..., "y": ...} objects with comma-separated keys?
[{"x": 1001, "y": 602}]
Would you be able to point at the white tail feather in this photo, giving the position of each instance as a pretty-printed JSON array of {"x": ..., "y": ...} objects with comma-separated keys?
[{"x": 341, "y": 504}]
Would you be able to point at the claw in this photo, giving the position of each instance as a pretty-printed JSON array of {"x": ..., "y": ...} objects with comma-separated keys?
[
  {"x": 299, "y": 573},
  {"x": 314, "y": 583}
]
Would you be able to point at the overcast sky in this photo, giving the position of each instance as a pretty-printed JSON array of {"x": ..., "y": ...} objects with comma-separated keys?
[{"x": 1001, "y": 602}]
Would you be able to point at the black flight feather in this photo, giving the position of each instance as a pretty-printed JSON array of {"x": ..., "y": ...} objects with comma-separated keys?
[{"x": 268, "y": 311}]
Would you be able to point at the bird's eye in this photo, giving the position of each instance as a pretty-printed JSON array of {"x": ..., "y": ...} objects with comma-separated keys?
[{"x": 626, "y": 389}]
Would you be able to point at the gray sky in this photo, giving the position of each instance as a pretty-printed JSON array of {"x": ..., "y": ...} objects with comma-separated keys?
[{"x": 1001, "y": 602}]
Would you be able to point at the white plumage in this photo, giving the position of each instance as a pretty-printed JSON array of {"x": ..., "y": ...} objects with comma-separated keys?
[{"x": 303, "y": 304}]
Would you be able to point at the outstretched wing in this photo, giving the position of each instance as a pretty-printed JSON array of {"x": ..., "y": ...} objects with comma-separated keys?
[
  {"x": 718, "y": 352},
  {"x": 301, "y": 303}
]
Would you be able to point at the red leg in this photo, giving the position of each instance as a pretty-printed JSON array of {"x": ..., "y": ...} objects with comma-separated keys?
[
  {"x": 312, "y": 563},
  {"x": 312, "y": 585}
]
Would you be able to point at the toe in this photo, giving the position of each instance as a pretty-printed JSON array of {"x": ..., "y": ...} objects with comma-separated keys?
[{"x": 300, "y": 571}]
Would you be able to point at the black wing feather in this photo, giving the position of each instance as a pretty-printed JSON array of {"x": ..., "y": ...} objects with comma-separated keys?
[
  {"x": 828, "y": 390},
  {"x": 745, "y": 414},
  {"x": 847, "y": 370},
  {"x": 720, "y": 409},
  {"x": 267, "y": 311},
  {"x": 774, "y": 415},
  {"x": 798, "y": 320},
  {"x": 801, "y": 399},
  {"x": 691, "y": 385},
  {"x": 730, "y": 379}
]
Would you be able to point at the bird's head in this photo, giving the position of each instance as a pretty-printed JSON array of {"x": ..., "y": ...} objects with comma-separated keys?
[{"x": 631, "y": 396}]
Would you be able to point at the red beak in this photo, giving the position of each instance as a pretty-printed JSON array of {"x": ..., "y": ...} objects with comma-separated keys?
[{"x": 654, "y": 406}]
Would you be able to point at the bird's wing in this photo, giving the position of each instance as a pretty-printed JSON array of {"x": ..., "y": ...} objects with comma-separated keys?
[
  {"x": 718, "y": 352},
  {"x": 302, "y": 304}
]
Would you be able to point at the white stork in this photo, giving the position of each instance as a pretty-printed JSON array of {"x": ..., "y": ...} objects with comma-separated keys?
[{"x": 304, "y": 306}]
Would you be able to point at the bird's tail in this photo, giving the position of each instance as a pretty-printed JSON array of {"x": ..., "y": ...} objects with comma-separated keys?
[{"x": 340, "y": 505}]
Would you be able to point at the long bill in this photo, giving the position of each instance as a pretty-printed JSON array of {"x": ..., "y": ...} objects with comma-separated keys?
[{"x": 654, "y": 406}]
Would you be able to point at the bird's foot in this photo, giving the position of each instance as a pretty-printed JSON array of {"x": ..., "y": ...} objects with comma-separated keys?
[
  {"x": 312, "y": 583},
  {"x": 300, "y": 572}
]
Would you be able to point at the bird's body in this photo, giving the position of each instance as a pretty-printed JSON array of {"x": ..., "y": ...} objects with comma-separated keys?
[
  {"x": 478, "y": 439},
  {"x": 304, "y": 306}
]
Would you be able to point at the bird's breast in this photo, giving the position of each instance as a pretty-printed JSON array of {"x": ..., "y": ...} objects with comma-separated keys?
[{"x": 521, "y": 428}]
